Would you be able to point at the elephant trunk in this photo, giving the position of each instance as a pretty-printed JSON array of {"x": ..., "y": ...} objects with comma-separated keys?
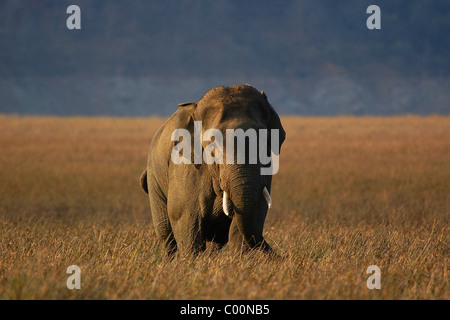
[
  {"x": 246, "y": 193},
  {"x": 227, "y": 205}
]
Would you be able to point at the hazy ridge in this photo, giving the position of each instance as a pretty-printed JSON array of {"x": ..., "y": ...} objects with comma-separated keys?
[{"x": 145, "y": 57}]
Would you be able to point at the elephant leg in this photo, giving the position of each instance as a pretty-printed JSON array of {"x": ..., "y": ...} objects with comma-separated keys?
[
  {"x": 188, "y": 235},
  {"x": 189, "y": 243},
  {"x": 160, "y": 217},
  {"x": 217, "y": 225},
  {"x": 186, "y": 227}
]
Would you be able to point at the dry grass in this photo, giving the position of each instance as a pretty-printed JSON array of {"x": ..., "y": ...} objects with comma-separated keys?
[{"x": 351, "y": 192}]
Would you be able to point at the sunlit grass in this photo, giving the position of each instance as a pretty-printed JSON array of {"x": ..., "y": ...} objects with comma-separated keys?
[{"x": 351, "y": 192}]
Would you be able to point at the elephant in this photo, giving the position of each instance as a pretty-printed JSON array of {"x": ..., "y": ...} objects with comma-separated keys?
[{"x": 224, "y": 203}]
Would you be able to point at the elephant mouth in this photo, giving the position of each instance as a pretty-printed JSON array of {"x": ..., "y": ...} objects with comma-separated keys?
[{"x": 228, "y": 207}]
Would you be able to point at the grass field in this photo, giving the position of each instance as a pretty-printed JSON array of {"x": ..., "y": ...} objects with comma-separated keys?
[{"x": 350, "y": 193}]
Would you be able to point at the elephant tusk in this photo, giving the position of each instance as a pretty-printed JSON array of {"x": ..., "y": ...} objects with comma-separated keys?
[
  {"x": 225, "y": 203},
  {"x": 268, "y": 198}
]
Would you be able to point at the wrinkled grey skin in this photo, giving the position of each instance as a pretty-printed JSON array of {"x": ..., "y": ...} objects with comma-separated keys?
[{"x": 186, "y": 199}]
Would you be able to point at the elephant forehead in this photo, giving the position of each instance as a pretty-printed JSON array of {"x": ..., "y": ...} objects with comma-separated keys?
[
  {"x": 231, "y": 116},
  {"x": 228, "y": 95}
]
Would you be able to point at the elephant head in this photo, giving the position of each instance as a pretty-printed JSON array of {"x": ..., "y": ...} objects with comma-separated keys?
[{"x": 240, "y": 188}]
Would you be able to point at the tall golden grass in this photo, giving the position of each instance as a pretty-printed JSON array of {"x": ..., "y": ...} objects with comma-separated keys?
[{"x": 351, "y": 192}]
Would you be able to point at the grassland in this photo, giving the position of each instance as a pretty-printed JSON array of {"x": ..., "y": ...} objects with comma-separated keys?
[{"x": 351, "y": 192}]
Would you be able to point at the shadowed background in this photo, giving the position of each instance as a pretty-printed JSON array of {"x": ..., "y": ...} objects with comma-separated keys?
[{"x": 142, "y": 58}]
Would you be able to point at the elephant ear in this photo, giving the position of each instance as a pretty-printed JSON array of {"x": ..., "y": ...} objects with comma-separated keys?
[
  {"x": 274, "y": 122},
  {"x": 184, "y": 119}
]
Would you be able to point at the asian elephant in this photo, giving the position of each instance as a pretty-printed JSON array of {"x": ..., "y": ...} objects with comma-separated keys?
[{"x": 195, "y": 202}]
